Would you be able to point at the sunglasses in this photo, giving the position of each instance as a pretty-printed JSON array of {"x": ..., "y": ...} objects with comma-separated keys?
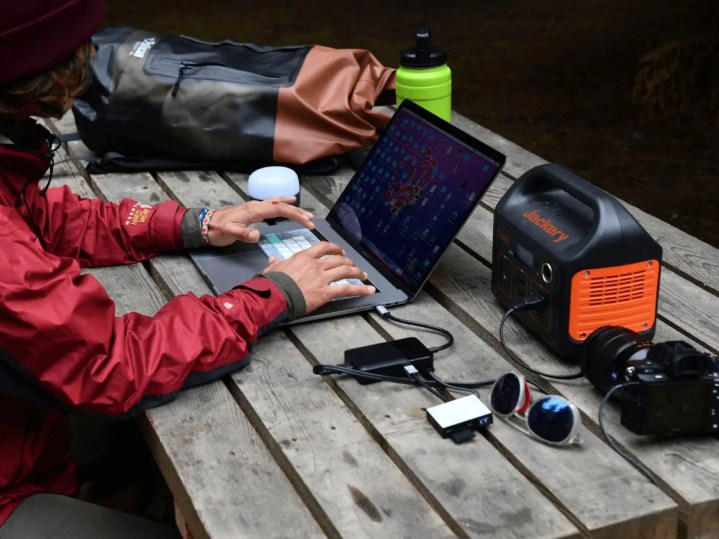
[{"x": 551, "y": 419}]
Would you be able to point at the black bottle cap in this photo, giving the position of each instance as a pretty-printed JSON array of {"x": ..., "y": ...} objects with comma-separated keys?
[{"x": 423, "y": 55}]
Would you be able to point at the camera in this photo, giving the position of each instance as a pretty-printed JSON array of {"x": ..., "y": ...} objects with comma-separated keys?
[{"x": 674, "y": 387}]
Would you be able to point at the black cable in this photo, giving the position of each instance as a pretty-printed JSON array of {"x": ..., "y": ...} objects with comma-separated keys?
[
  {"x": 384, "y": 313},
  {"x": 469, "y": 385},
  {"x": 344, "y": 369},
  {"x": 537, "y": 386},
  {"x": 460, "y": 387},
  {"x": 533, "y": 300},
  {"x": 414, "y": 374},
  {"x": 612, "y": 443},
  {"x": 78, "y": 158},
  {"x": 341, "y": 369},
  {"x": 412, "y": 380},
  {"x": 53, "y": 144}
]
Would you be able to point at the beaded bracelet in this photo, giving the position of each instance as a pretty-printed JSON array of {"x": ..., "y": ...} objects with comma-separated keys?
[
  {"x": 205, "y": 216},
  {"x": 203, "y": 212}
]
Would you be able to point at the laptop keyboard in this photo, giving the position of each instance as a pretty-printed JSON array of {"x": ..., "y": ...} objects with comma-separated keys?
[{"x": 284, "y": 244}]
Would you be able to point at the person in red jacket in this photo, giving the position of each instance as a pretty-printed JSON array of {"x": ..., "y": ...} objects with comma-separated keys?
[{"x": 63, "y": 348}]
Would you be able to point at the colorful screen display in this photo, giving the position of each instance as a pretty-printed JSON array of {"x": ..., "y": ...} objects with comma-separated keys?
[{"x": 411, "y": 196}]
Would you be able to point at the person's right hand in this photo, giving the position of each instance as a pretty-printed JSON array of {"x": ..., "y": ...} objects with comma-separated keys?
[{"x": 315, "y": 268}]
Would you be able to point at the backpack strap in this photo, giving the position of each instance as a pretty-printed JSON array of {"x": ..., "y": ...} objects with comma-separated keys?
[{"x": 117, "y": 162}]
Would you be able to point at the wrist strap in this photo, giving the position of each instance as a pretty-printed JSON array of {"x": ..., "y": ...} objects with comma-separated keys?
[{"x": 205, "y": 216}]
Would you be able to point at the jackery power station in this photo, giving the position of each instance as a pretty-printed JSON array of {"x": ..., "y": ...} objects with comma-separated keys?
[{"x": 559, "y": 236}]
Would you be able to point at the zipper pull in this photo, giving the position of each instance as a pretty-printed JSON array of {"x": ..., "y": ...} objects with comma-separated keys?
[{"x": 184, "y": 66}]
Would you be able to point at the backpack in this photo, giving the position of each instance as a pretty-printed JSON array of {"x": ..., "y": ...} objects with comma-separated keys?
[{"x": 174, "y": 102}]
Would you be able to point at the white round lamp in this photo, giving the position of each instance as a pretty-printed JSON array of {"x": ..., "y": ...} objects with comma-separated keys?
[{"x": 275, "y": 181}]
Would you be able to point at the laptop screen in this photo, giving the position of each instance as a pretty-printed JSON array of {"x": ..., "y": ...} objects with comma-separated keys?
[{"x": 409, "y": 199}]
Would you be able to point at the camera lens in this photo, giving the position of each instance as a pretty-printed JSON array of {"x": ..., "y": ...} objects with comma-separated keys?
[{"x": 605, "y": 353}]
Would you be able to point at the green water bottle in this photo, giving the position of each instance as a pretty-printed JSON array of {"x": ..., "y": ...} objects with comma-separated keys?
[{"x": 424, "y": 76}]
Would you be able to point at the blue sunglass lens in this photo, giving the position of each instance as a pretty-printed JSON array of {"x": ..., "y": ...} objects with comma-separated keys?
[
  {"x": 551, "y": 419},
  {"x": 505, "y": 394}
]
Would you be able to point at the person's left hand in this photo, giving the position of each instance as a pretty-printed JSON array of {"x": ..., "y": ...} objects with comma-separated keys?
[{"x": 231, "y": 224}]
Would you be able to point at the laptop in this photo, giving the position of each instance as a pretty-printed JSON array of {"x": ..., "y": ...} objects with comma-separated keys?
[{"x": 398, "y": 214}]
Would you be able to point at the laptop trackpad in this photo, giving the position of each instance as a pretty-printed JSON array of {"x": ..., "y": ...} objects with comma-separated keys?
[{"x": 233, "y": 266}]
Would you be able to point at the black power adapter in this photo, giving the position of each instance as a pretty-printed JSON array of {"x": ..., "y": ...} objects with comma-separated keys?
[{"x": 389, "y": 358}]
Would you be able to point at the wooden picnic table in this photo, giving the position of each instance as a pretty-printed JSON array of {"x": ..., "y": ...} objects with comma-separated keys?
[{"x": 276, "y": 451}]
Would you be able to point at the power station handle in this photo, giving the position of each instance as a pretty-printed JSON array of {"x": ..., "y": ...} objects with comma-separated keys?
[{"x": 601, "y": 204}]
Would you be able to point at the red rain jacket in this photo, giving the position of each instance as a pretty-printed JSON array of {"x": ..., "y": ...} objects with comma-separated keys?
[{"x": 59, "y": 330}]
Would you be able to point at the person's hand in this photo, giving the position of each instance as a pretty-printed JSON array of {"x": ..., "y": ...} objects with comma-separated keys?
[
  {"x": 231, "y": 224},
  {"x": 315, "y": 268}
]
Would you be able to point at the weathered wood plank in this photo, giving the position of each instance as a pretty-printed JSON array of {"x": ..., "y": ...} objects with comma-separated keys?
[
  {"x": 481, "y": 240},
  {"x": 348, "y": 474},
  {"x": 346, "y": 517},
  {"x": 465, "y": 286},
  {"x": 203, "y": 427},
  {"x": 199, "y": 189},
  {"x": 139, "y": 186},
  {"x": 67, "y": 173},
  {"x": 519, "y": 160},
  {"x": 263, "y": 480},
  {"x": 590, "y": 471},
  {"x": 681, "y": 303},
  {"x": 593, "y": 483},
  {"x": 223, "y": 478},
  {"x": 481, "y": 491},
  {"x": 407, "y": 430},
  {"x": 696, "y": 497},
  {"x": 192, "y": 190},
  {"x": 682, "y": 252}
]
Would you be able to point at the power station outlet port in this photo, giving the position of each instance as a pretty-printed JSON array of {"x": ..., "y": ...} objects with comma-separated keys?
[
  {"x": 543, "y": 314},
  {"x": 521, "y": 283},
  {"x": 547, "y": 273}
]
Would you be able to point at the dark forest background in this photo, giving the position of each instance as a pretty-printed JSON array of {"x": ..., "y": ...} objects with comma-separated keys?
[{"x": 626, "y": 94}]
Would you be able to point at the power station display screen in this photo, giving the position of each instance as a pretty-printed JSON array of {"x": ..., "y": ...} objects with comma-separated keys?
[{"x": 524, "y": 255}]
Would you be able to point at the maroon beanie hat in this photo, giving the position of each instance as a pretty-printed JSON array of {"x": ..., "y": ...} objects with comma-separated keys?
[{"x": 35, "y": 35}]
